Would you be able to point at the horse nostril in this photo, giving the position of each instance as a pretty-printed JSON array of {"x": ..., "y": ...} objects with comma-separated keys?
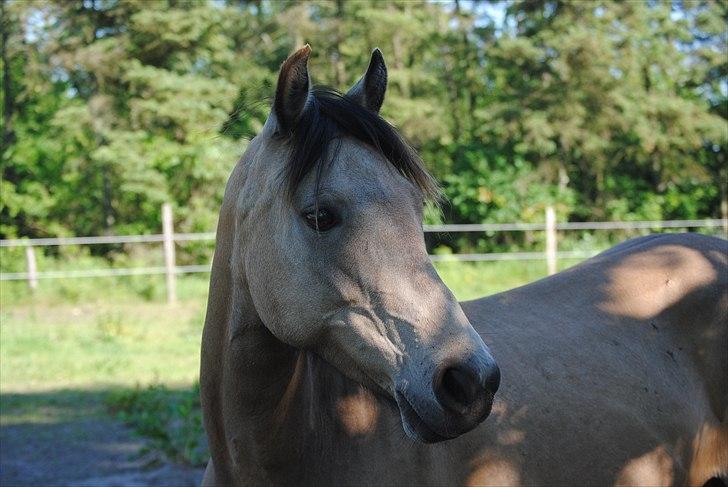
[
  {"x": 458, "y": 384},
  {"x": 460, "y": 388},
  {"x": 492, "y": 381}
]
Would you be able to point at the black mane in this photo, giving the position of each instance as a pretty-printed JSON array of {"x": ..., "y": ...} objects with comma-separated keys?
[{"x": 330, "y": 115}]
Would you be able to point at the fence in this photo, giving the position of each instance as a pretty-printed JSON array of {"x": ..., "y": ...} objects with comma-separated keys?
[{"x": 169, "y": 238}]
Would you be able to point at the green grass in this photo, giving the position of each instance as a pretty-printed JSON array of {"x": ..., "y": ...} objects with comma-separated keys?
[
  {"x": 90, "y": 346},
  {"x": 170, "y": 419},
  {"x": 101, "y": 290},
  {"x": 51, "y": 407},
  {"x": 99, "y": 345},
  {"x": 108, "y": 336},
  {"x": 471, "y": 280}
]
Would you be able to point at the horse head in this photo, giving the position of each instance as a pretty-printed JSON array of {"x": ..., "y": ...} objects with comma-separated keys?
[{"x": 330, "y": 248}]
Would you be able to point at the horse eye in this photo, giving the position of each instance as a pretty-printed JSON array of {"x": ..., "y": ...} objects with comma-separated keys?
[{"x": 322, "y": 220}]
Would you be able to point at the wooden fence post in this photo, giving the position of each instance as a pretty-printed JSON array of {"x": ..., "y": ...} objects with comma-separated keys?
[
  {"x": 551, "y": 240},
  {"x": 169, "y": 260},
  {"x": 32, "y": 269}
]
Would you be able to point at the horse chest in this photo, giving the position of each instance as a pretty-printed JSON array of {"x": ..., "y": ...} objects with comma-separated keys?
[{"x": 346, "y": 446}]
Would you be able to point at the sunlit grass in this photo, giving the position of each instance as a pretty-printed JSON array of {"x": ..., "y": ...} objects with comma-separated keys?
[
  {"x": 471, "y": 280},
  {"x": 80, "y": 348},
  {"x": 51, "y": 407},
  {"x": 97, "y": 345},
  {"x": 107, "y": 336}
]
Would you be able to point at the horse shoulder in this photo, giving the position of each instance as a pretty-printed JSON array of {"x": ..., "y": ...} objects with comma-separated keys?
[
  {"x": 651, "y": 315},
  {"x": 680, "y": 280}
]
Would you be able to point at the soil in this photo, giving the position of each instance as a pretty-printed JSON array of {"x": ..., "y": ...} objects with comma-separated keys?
[{"x": 93, "y": 451}]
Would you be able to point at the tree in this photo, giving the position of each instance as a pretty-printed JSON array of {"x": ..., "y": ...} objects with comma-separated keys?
[
  {"x": 606, "y": 109},
  {"x": 602, "y": 101}
]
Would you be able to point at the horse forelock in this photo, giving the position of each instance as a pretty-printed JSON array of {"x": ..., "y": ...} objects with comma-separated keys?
[{"x": 328, "y": 117}]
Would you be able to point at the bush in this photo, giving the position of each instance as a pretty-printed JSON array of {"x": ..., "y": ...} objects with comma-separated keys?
[{"x": 170, "y": 419}]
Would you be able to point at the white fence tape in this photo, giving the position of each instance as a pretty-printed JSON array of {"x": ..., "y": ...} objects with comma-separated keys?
[
  {"x": 33, "y": 274},
  {"x": 454, "y": 228}
]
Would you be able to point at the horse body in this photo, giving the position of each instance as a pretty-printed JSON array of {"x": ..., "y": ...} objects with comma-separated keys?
[
  {"x": 615, "y": 374},
  {"x": 332, "y": 354},
  {"x": 615, "y": 370}
]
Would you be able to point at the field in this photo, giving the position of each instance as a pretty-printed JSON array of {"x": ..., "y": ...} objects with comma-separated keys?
[
  {"x": 107, "y": 335},
  {"x": 104, "y": 346}
]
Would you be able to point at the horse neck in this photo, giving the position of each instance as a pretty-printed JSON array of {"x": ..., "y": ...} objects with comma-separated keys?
[
  {"x": 244, "y": 369},
  {"x": 263, "y": 400},
  {"x": 284, "y": 388},
  {"x": 288, "y": 404}
]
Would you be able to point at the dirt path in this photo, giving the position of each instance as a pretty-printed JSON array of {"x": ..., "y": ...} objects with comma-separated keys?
[{"x": 85, "y": 447}]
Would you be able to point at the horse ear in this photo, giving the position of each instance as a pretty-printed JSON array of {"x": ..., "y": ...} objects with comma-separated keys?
[
  {"x": 292, "y": 89},
  {"x": 369, "y": 90}
]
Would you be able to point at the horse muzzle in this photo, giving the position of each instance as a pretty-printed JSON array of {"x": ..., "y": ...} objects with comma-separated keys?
[{"x": 455, "y": 399}]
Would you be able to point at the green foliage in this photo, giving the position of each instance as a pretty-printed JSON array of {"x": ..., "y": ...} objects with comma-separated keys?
[
  {"x": 171, "y": 420},
  {"x": 606, "y": 109},
  {"x": 610, "y": 98},
  {"x": 146, "y": 354}
]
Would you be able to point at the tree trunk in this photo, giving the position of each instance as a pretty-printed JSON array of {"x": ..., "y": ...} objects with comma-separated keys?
[
  {"x": 8, "y": 135},
  {"x": 563, "y": 177},
  {"x": 723, "y": 183},
  {"x": 338, "y": 62}
]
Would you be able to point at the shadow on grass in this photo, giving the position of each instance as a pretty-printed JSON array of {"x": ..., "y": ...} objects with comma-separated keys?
[{"x": 117, "y": 436}]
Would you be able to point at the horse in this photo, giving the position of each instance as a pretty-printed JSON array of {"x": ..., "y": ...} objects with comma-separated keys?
[{"x": 333, "y": 354}]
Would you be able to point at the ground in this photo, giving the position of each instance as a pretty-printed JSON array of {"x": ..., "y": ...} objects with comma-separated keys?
[
  {"x": 60, "y": 365},
  {"x": 97, "y": 383},
  {"x": 78, "y": 443}
]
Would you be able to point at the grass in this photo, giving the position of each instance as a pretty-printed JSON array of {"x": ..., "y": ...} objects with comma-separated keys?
[
  {"x": 99, "y": 345},
  {"x": 471, "y": 280},
  {"x": 51, "y": 407},
  {"x": 91, "y": 346},
  {"x": 109, "y": 336},
  {"x": 171, "y": 420}
]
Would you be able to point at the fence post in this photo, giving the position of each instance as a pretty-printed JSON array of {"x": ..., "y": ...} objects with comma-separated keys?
[
  {"x": 551, "y": 240},
  {"x": 32, "y": 269},
  {"x": 169, "y": 260}
]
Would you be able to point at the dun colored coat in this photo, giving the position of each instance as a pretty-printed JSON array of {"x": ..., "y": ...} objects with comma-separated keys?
[{"x": 332, "y": 353}]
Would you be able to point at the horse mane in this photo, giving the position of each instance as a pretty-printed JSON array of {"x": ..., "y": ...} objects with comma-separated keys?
[{"x": 330, "y": 115}]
